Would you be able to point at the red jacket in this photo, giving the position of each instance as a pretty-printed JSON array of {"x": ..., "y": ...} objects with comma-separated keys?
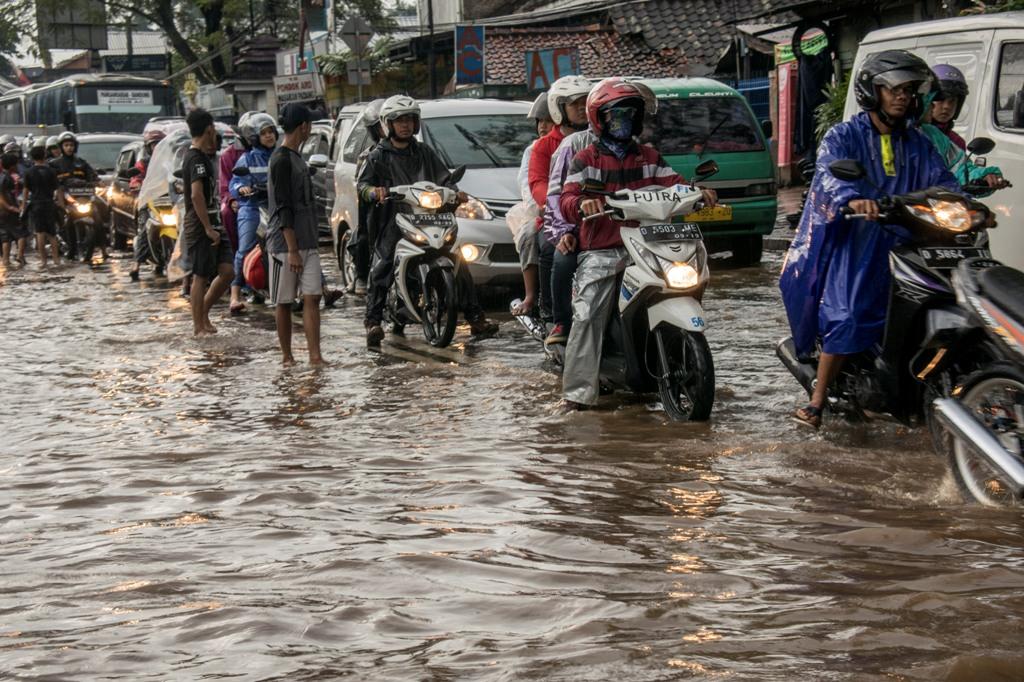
[
  {"x": 642, "y": 166},
  {"x": 540, "y": 164}
]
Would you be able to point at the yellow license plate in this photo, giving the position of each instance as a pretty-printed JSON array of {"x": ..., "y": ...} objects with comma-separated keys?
[{"x": 709, "y": 214}]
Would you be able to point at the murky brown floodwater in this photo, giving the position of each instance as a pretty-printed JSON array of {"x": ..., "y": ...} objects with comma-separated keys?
[{"x": 179, "y": 510}]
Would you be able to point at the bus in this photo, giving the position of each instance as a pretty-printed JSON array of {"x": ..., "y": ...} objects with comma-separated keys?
[{"x": 89, "y": 103}]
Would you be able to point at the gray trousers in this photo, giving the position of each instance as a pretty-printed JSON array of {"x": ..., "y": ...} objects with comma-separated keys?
[{"x": 593, "y": 299}]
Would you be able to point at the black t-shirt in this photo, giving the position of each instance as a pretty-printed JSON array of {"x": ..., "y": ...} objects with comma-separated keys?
[
  {"x": 197, "y": 166},
  {"x": 40, "y": 183},
  {"x": 7, "y": 191}
]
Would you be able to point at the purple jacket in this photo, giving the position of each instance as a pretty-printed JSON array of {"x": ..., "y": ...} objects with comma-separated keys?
[{"x": 555, "y": 224}]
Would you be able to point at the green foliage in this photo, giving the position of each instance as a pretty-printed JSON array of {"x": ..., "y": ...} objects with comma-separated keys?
[
  {"x": 994, "y": 7},
  {"x": 335, "y": 64},
  {"x": 830, "y": 112}
]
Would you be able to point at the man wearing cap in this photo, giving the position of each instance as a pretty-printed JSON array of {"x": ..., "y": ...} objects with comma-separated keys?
[{"x": 292, "y": 236}]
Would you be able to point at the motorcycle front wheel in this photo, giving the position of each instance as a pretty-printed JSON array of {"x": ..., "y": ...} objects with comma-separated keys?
[
  {"x": 440, "y": 308},
  {"x": 996, "y": 399},
  {"x": 688, "y": 392},
  {"x": 346, "y": 263}
]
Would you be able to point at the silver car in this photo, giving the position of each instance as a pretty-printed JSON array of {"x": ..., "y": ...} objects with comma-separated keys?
[{"x": 488, "y": 137}]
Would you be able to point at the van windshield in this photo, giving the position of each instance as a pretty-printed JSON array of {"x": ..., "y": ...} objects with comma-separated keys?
[{"x": 703, "y": 125}]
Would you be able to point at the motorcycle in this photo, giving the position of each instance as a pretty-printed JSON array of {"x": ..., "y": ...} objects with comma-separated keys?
[
  {"x": 83, "y": 230},
  {"x": 424, "y": 290},
  {"x": 655, "y": 339},
  {"x": 924, "y": 347},
  {"x": 985, "y": 413}
]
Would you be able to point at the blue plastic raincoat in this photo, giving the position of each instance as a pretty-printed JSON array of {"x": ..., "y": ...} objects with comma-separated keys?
[{"x": 835, "y": 281}]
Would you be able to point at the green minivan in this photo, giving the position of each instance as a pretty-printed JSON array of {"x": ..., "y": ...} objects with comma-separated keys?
[{"x": 700, "y": 119}]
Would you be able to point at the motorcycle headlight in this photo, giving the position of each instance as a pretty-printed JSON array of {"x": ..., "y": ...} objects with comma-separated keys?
[
  {"x": 415, "y": 236},
  {"x": 949, "y": 215},
  {"x": 470, "y": 252},
  {"x": 677, "y": 274},
  {"x": 168, "y": 219},
  {"x": 430, "y": 200},
  {"x": 474, "y": 209},
  {"x": 83, "y": 207},
  {"x": 682, "y": 276}
]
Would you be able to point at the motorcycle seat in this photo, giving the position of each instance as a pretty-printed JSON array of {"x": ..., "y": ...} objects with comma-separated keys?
[{"x": 1005, "y": 287}]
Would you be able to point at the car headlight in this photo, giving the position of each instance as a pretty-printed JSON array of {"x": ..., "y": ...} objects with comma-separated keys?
[
  {"x": 949, "y": 215},
  {"x": 682, "y": 276},
  {"x": 83, "y": 207},
  {"x": 470, "y": 252},
  {"x": 430, "y": 200},
  {"x": 760, "y": 188},
  {"x": 168, "y": 219},
  {"x": 474, "y": 209}
]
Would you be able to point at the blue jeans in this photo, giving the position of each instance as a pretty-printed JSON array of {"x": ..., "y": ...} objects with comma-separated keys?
[
  {"x": 544, "y": 268},
  {"x": 562, "y": 271},
  {"x": 248, "y": 223}
]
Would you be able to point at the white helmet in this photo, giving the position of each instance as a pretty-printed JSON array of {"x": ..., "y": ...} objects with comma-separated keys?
[
  {"x": 397, "y": 106},
  {"x": 563, "y": 91}
]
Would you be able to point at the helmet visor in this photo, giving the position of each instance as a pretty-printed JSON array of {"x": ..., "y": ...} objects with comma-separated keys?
[{"x": 903, "y": 77}]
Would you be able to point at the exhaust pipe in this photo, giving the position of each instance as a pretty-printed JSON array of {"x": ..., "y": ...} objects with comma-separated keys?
[
  {"x": 804, "y": 372},
  {"x": 964, "y": 426}
]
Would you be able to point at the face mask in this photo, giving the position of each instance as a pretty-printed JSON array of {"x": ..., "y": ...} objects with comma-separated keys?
[{"x": 619, "y": 122}]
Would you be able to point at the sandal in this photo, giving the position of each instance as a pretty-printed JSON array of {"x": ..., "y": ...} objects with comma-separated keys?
[{"x": 808, "y": 416}]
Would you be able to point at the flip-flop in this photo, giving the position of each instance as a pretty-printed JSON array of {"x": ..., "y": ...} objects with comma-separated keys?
[{"x": 808, "y": 416}]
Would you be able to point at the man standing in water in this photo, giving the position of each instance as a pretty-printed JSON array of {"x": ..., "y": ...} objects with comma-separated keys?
[
  {"x": 292, "y": 236},
  {"x": 208, "y": 254}
]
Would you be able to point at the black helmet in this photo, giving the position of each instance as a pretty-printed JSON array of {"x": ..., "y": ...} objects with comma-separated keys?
[
  {"x": 892, "y": 68},
  {"x": 64, "y": 137}
]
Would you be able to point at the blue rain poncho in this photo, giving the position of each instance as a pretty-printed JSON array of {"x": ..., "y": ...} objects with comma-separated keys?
[{"x": 835, "y": 281}]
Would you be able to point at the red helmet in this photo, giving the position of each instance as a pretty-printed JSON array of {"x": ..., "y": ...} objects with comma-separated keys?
[
  {"x": 611, "y": 91},
  {"x": 153, "y": 135}
]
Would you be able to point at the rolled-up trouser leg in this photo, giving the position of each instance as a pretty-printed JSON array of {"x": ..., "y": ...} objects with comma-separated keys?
[{"x": 592, "y": 301}]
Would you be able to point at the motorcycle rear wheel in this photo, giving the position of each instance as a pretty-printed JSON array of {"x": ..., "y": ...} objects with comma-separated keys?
[
  {"x": 346, "y": 264},
  {"x": 440, "y": 308},
  {"x": 996, "y": 398},
  {"x": 689, "y": 392}
]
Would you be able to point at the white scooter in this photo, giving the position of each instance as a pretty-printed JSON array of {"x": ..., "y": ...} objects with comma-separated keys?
[
  {"x": 424, "y": 290},
  {"x": 655, "y": 341}
]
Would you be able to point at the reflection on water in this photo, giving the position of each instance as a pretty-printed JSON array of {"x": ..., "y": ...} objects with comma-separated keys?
[{"x": 182, "y": 509}]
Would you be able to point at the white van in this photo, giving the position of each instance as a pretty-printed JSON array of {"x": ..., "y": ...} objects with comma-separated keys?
[{"x": 989, "y": 49}]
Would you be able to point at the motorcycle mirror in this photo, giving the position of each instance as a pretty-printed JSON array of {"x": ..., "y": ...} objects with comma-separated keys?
[
  {"x": 847, "y": 169},
  {"x": 456, "y": 175},
  {"x": 705, "y": 170},
  {"x": 240, "y": 171},
  {"x": 178, "y": 174},
  {"x": 981, "y": 145}
]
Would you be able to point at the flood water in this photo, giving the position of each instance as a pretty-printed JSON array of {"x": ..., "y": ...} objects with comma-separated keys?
[{"x": 174, "y": 509}]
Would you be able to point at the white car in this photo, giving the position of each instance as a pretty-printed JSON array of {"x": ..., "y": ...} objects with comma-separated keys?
[{"x": 488, "y": 137}]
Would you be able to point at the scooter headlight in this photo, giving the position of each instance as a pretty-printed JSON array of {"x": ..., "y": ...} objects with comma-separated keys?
[
  {"x": 682, "y": 276},
  {"x": 83, "y": 208},
  {"x": 470, "y": 252},
  {"x": 430, "y": 200},
  {"x": 168, "y": 219},
  {"x": 949, "y": 215}
]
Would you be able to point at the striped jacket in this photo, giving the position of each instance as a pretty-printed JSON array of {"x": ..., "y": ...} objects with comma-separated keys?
[{"x": 641, "y": 167}]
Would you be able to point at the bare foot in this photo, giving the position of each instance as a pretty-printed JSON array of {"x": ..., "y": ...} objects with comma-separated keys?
[
  {"x": 288, "y": 360},
  {"x": 319, "y": 362},
  {"x": 202, "y": 331},
  {"x": 209, "y": 328}
]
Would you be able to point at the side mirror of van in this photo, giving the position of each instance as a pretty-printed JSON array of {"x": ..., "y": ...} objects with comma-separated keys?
[
  {"x": 705, "y": 170},
  {"x": 981, "y": 145},
  {"x": 318, "y": 161},
  {"x": 847, "y": 169},
  {"x": 767, "y": 128}
]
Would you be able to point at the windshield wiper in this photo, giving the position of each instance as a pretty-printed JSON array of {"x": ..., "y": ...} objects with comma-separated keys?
[
  {"x": 479, "y": 144},
  {"x": 704, "y": 142}
]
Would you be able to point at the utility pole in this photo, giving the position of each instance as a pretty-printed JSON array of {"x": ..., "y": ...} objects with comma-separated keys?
[
  {"x": 430, "y": 49},
  {"x": 252, "y": 20}
]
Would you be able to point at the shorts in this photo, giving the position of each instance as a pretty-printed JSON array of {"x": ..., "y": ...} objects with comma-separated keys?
[
  {"x": 42, "y": 218},
  {"x": 12, "y": 231},
  {"x": 203, "y": 259},
  {"x": 527, "y": 247},
  {"x": 286, "y": 286}
]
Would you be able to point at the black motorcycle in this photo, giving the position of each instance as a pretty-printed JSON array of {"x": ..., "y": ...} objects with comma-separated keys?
[
  {"x": 85, "y": 226},
  {"x": 985, "y": 413},
  {"x": 927, "y": 342}
]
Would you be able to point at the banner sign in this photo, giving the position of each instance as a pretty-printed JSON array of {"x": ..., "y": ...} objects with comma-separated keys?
[
  {"x": 544, "y": 67},
  {"x": 136, "y": 62},
  {"x": 302, "y": 87},
  {"x": 469, "y": 54},
  {"x": 122, "y": 97}
]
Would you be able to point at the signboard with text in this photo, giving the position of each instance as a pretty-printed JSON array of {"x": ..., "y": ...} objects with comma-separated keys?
[
  {"x": 469, "y": 54},
  {"x": 302, "y": 87},
  {"x": 134, "y": 63},
  {"x": 122, "y": 97},
  {"x": 544, "y": 67}
]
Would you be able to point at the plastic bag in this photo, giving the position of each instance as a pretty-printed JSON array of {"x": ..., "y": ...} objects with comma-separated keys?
[
  {"x": 176, "y": 266},
  {"x": 522, "y": 214}
]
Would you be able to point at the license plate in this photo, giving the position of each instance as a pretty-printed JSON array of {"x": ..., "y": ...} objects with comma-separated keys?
[
  {"x": 948, "y": 257},
  {"x": 433, "y": 219},
  {"x": 710, "y": 214},
  {"x": 670, "y": 232}
]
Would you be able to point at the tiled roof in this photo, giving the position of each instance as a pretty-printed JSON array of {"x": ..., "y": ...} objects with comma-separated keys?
[
  {"x": 603, "y": 52},
  {"x": 701, "y": 30}
]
